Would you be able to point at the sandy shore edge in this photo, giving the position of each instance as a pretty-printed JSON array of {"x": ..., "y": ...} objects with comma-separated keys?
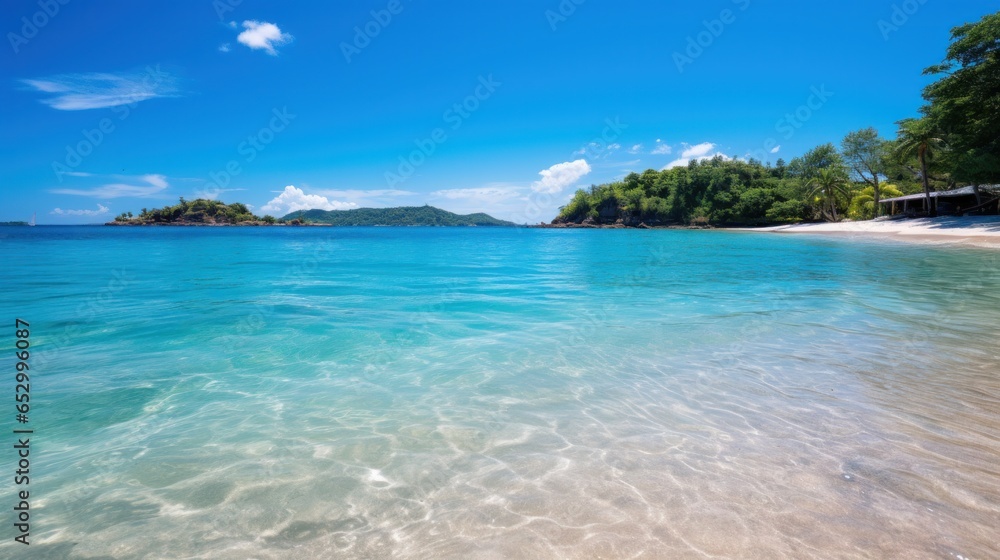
[{"x": 978, "y": 231}]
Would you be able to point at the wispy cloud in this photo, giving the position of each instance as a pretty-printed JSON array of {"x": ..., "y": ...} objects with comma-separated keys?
[
  {"x": 662, "y": 149},
  {"x": 213, "y": 193},
  {"x": 560, "y": 176},
  {"x": 698, "y": 152},
  {"x": 224, "y": 47},
  {"x": 485, "y": 195},
  {"x": 629, "y": 163},
  {"x": 293, "y": 199},
  {"x": 97, "y": 90},
  {"x": 355, "y": 194},
  {"x": 154, "y": 185},
  {"x": 597, "y": 150},
  {"x": 263, "y": 35},
  {"x": 101, "y": 209},
  {"x": 503, "y": 200},
  {"x": 635, "y": 149}
]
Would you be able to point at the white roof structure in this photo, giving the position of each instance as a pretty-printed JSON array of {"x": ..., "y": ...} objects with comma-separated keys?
[{"x": 964, "y": 191}]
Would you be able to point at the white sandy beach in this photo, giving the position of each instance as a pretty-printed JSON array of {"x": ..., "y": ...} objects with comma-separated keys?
[{"x": 983, "y": 231}]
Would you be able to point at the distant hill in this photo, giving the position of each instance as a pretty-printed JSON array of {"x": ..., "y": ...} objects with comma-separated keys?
[{"x": 401, "y": 216}]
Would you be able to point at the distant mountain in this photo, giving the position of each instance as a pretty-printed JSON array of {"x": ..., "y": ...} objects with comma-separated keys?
[{"x": 401, "y": 216}]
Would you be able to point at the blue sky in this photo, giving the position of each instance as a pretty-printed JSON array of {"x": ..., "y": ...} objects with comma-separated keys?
[{"x": 503, "y": 107}]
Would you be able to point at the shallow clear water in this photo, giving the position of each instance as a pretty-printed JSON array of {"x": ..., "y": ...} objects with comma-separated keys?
[{"x": 482, "y": 393}]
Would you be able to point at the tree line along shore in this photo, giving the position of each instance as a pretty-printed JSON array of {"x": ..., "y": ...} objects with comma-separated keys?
[{"x": 955, "y": 142}]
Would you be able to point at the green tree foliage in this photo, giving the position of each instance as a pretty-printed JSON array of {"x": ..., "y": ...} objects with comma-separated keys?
[
  {"x": 200, "y": 211},
  {"x": 965, "y": 102},
  {"x": 920, "y": 138},
  {"x": 821, "y": 157},
  {"x": 829, "y": 185},
  {"x": 867, "y": 155},
  {"x": 863, "y": 204},
  {"x": 717, "y": 191}
]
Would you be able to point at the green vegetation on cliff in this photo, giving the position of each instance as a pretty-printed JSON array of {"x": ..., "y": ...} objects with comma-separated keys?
[
  {"x": 723, "y": 191},
  {"x": 401, "y": 216}
]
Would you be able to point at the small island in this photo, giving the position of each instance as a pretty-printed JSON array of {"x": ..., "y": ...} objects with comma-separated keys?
[
  {"x": 200, "y": 212},
  {"x": 203, "y": 212},
  {"x": 14, "y": 224}
]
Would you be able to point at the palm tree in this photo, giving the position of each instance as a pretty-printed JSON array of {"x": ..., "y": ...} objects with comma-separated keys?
[
  {"x": 920, "y": 137},
  {"x": 828, "y": 183},
  {"x": 863, "y": 203}
]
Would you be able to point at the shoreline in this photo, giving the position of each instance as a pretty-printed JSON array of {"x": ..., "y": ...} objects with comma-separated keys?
[
  {"x": 255, "y": 224},
  {"x": 205, "y": 224},
  {"x": 975, "y": 231}
]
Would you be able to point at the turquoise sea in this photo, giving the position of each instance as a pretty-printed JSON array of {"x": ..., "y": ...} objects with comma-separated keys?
[{"x": 276, "y": 393}]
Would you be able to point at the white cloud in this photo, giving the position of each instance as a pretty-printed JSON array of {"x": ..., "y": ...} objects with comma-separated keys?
[
  {"x": 776, "y": 149},
  {"x": 95, "y": 90},
  {"x": 698, "y": 152},
  {"x": 100, "y": 210},
  {"x": 154, "y": 185},
  {"x": 263, "y": 35},
  {"x": 614, "y": 147},
  {"x": 233, "y": 25},
  {"x": 662, "y": 149},
  {"x": 224, "y": 47},
  {"x": 293, "y": 199},
  {"x": 635, "y": 149},
  {"x": 560, "y": 176}
]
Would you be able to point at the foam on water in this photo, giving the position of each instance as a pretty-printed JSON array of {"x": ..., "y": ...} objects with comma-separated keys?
[{"x": 474, "y": 393}]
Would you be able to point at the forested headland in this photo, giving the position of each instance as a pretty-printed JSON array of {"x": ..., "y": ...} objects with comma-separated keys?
[{"x": 954, "y": 142}]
